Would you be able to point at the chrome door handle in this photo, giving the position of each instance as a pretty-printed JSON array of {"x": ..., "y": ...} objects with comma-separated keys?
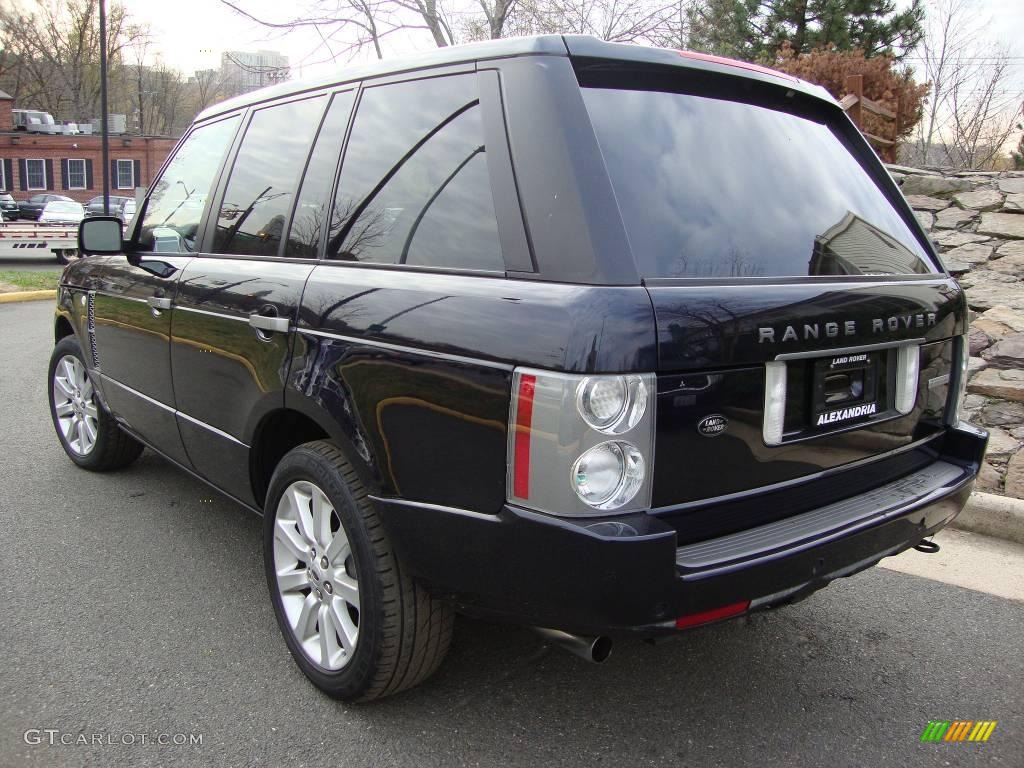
[
  {"x": 269, "y": 323},
  {"x": 158, "y": 302}
]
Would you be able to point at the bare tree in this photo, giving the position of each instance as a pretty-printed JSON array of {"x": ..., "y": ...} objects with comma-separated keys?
[
  {"x": 53, "y": 52},
  {"x": 972, "y": 107},
  {"x": 622, "y": 21}
]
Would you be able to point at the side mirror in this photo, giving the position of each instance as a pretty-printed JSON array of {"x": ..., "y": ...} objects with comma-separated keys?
[{"x": 100, "y": 236}]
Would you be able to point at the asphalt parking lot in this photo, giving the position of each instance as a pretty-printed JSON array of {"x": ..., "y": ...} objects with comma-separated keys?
[{"x": 134, "y": 604}]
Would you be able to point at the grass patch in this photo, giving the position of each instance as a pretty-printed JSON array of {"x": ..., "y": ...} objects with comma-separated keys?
[{"x": 24, "y": 280}]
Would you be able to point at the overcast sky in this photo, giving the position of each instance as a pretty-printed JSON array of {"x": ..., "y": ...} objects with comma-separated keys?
[{"x": 191, "y": 34}]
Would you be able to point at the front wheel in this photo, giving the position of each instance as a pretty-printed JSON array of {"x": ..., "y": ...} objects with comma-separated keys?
[
  {"x": 89, "y": 435},
  {"x": 357, "y": 626}
]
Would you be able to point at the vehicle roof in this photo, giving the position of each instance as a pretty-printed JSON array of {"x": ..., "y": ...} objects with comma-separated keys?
[{"x": 582, "y": 46}]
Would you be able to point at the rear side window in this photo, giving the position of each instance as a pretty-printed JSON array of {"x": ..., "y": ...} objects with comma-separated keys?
[
  {"x": 261, "y": 188},
  {"x": 176, "y": 204},
  {"x": 713, "y": 188},
  {"x": 414, "y": 185},
  {"x": 310, "y": 218}
]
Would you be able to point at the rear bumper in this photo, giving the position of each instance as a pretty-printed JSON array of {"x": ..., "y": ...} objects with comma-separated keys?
[{"x": 627, "y": 576}]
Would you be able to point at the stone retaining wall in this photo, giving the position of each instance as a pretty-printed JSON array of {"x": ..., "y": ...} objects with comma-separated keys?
[{"x": 976, "y": 220}]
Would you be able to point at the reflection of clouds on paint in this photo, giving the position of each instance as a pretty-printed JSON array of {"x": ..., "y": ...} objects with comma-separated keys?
[{"x": 712, "y": 188}]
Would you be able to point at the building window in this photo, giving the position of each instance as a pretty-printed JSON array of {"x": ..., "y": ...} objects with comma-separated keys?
[
  {"x": 76, "y": 174},
  {"x": 35, "y": 174},
  {"x": 125, "y": 174},
  {"x": 3, "y": 177}
]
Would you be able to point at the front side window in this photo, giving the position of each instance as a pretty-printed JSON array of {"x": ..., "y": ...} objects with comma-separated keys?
[
  {"x": 35, "y": 171},
  {"x": 175, "y": 206},
  {"x": 125, "y": 174},
  {"x": 414, "y": 185},
  {"x": 76, "y": 174},
  {"x": 266, "y": 171},
  {"x": 711, "y": 188}
]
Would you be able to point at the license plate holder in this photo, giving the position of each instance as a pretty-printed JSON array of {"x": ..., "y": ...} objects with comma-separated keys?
[{"x": 845, "y": 388}]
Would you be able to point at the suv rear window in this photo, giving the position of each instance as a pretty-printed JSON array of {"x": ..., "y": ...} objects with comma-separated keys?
[{"x": 711, "y": 188}]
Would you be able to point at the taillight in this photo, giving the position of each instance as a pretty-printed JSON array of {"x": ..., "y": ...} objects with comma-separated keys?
[{"x": 581, "y": 445}]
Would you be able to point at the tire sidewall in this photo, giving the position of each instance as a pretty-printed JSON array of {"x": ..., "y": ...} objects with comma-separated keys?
[
  {"x": 357, "y": 675},
  {"x": 69, "y": 346}
]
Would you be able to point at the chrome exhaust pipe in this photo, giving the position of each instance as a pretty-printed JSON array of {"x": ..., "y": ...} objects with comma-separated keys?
[{"x": 592, "y": 649}]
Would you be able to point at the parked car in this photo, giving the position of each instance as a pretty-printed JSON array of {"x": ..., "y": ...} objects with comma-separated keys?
[
  {"x": 62, "y": 212},
  {"x": 8, "y": 207},
  {"x": 607, "y": 340},
  {"x": 33, "y": 207},
  {"x": 95, "y": 205}
]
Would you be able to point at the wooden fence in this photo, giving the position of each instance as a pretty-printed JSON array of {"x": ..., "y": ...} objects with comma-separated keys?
[{"x": 854, "y": 103}]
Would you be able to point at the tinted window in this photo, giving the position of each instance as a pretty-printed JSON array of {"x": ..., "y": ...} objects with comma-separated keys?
[
  {"x": 414, "y": 187},
  {"x": 308, "y": 221},
  {"x": 262, "y": 185},
  {"x": 714, "y": 188},
  {"x": 176, "y": 204}
]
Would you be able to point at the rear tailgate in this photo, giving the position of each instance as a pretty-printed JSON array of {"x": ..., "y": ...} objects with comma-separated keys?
[
  {"x": 803, "y": 320},
  {"x": 837, "y": 350}
]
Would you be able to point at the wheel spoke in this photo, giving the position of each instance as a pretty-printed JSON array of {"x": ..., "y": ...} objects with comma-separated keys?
[
  {"x": 292, "y": 580},
  {"x": 80, "y": 433},
  {"x": 347, "y": 631},
  {"x": 306, "y": 622},
  {"x": 322, "y": 510},
  {"x": 65, "y": 409},
  {"x": 91, "y": 411},
  {"x": 300, "y": 503},
  {"x": 347, "y": 589},
  {"x": 64, "y": 386},
  {"x": 88, "y": 432},
  {"x": 284, "y": 532},
  {"x": 328, "y": 640},
  {"x": 338, "y": 548}
]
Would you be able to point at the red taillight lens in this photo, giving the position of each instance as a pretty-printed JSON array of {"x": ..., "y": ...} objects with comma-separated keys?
[
  {"x": 715, "y": 614},
  {"x": 524, "y": 421}
]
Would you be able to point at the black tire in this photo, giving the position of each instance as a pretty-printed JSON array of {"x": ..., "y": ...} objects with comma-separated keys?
[
  {"x": 404, "y": 633},
  {"x": 113, "y": 447},
  {"x": 62, "y": 257}
]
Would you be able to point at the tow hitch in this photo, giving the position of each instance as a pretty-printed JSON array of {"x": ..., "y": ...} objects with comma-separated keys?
[{"x": 927, "y": 546}]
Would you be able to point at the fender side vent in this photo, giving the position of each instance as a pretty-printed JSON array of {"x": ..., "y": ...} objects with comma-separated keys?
[{"x": 91, "y": 329}]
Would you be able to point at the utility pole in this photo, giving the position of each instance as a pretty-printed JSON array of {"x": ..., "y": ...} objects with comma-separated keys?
[{"x": 104, "y": 138}]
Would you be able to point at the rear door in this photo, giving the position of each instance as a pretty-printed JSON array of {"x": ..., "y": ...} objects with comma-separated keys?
[
  {"x": 237, "y": 302},
  {"x": 802, "y": 321},
  {"x": 132, "y": 302}
]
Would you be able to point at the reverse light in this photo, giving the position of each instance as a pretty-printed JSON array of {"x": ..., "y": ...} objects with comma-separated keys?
[
  {"x": 908, "y": 364},
  {"x": 774, "y": 402},
  {"x": 608, "y": 475},
  {"x": 959, "y": 390},
  {"x": 560, "y": 458}
]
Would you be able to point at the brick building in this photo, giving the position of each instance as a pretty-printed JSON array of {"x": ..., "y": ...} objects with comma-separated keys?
[{"x": 32, "y": 163}]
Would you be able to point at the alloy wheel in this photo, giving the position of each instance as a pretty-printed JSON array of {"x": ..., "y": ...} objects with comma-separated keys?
[
  {"x": 74, "y": 404},
  {"x": 316, "y": 576}
]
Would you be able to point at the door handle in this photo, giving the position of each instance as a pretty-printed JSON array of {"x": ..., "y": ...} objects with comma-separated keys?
[
  {"x": 158, "y": 302},
  {"x": 269, "y": 323}
]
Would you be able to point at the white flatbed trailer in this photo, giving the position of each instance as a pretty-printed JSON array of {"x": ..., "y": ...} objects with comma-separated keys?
[{"x": 19, "y": 239}]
